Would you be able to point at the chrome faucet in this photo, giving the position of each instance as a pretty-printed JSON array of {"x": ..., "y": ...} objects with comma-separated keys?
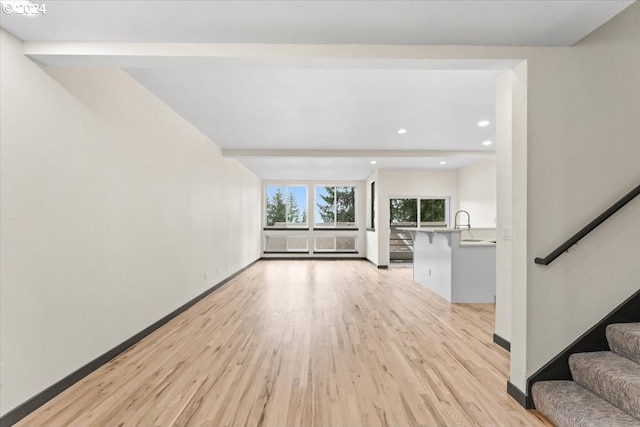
[{"x": 455, "y": 220}]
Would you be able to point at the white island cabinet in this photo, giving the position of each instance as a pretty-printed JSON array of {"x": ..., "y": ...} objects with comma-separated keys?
[{"x": 460, "y": 270}]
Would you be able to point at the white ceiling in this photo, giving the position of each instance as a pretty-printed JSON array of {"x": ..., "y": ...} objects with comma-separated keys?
[
  {"x": 330, "y": 109},
  {"x": 449, "y": 22},
  {"x": 268, "y": 105},
  {"x": 343, "y": 168}
]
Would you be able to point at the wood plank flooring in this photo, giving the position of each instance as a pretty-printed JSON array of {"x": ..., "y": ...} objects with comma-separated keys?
[{"x": 306, "y": 343}]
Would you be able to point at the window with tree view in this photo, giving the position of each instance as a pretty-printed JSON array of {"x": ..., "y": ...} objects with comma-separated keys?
[
  {"x": 406, "y": 211},
  {"x": 433, "y": 212},
  {"x": 286, "y": 206},
  {"x": 335, "y": 207},
  {"x": 403, "y": 212}
]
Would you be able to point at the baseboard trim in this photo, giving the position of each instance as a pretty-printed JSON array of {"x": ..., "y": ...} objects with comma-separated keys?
[
  {"x": 502, "y": 342},
  {"x": 335, "y": 252},
  {"x": 376, "y": 265},
  {"x": 21, "y": 411},
  {"x": 314, "y": 258},
  {"x": 519, "y": 396},
  {"x": 286, "y": 252}
]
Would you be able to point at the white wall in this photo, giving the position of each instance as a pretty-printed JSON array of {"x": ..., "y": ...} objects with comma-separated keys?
[
  {"x": 504, "y": 99},
  {"x": 520, "y": 257},
  {"x": 583, "y": 154},
  {"x": 477, "y": 192},
  {"x": 113, "y": 209},
  {"x": 410, "y": 183}
]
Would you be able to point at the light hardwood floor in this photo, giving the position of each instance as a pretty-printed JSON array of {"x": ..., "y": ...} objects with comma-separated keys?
[{"x": 306, "y": 343}]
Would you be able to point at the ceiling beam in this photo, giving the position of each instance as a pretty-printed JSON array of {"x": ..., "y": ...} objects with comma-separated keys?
[
  {"x": 358, "y": 153},
  {"x": 132, "y": 55}
]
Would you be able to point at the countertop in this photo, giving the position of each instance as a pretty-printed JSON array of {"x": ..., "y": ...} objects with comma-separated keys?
[{"x": 473, "y": 242}]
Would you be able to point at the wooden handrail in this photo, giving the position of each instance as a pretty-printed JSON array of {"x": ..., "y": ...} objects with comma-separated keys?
[{"x": 589, "y": 227}]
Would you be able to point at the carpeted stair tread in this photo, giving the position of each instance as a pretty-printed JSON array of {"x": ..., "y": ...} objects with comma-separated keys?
[
  {"x": 609, "y": 376},
  {"x": 624, "y": 339},
  {"x": 566, "y": 404}
]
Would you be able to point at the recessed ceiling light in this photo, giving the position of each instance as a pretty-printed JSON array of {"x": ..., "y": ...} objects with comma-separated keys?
[
  {"x": 484, "y": 123},
  {"x": 443, "y": 162},
  {"x": 373, "y": 162},
  {"x": 402, "y": 131},
  {"x": 486, "y": 143}
]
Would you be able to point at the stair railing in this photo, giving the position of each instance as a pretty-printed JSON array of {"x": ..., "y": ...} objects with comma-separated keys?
[{"x": 589, "y": 227}]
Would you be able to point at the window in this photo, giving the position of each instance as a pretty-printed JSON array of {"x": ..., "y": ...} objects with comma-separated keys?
[
  {"x": 346, "y": 243},
  {"x": 339, "y": 244},
  {"x": 335, "y": 207},
  {"x": 403, "y": 212},
  {"x": 275, "y": 244},
  {"x": 433, "y": 213},
  {"x": 286, "y": 206},
  {"x": 325, "y": 243},
  {"x": 287, "y": 224},
  {"x": 413, "y": 212},
  {"x": 282, "y": 244},
  {"x": 373, "y": 205},
  {"x": 297, "y": 243},
  {"x": 406, "y": 211}
]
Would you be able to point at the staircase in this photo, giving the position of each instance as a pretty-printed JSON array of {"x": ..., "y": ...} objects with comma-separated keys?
[{"x": 605, "y": 391}]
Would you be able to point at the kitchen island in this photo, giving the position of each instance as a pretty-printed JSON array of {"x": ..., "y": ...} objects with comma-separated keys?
[{"x": 461, "y": 269}]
